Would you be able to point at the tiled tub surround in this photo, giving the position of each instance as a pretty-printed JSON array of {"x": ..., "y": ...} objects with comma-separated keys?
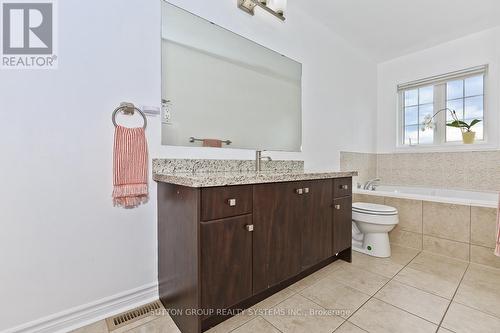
[
  {"x": 364, "y": 163},
  {"x": 471, "y": 170},
  {"x": 458, "y": 231}
]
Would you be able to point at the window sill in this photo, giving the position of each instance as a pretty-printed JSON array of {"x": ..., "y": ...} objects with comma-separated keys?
[{"x": 448, "y": 147}]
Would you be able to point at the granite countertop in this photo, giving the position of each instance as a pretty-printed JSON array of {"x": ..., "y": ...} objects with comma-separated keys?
[{"x": 211, "y": 179}]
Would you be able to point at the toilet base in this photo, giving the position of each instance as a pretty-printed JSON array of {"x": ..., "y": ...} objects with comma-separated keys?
[{"x": 373, "y": 244}]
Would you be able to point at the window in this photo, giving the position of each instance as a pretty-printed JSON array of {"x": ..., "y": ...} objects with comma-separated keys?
[
  {"x": 418, "y": 103},
  {"x": 466, "y": 97},
  {"x": 461, "y": 91}
]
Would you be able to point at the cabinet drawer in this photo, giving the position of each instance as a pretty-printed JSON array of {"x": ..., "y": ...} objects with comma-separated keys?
[
  {"x": 220, "y": 202},
  {"x": 342, "y": 187}
]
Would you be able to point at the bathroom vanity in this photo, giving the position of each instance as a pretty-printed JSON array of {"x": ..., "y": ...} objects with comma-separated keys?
[
  {"x": 229, "y": 235},
  {"x": 227, "y": 240}
]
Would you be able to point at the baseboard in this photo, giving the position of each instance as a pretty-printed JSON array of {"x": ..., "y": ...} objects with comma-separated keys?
[{"x": 91, "y": 312}]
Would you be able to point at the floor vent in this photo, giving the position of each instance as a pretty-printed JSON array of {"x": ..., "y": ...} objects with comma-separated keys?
[{"x": 131, "y": 316}]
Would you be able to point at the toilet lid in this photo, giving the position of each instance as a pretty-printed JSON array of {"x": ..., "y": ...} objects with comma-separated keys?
[{"x": 373, "y": 209}]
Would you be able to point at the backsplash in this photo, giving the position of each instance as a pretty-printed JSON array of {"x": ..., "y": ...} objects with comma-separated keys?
[
  {"x": 478, "y": 171},
  {"x": 205, "y": 165},
  {"x": 364, "y": 163}
]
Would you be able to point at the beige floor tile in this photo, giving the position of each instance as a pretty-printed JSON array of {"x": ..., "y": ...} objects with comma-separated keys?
[
  {"x": 232, "y": 323},
  {"x": 298, "y": 314},
  {"x": 160, "y": 325},
  {"x": 439, "y": 265},
  {"x": 444, "y": 330},
  {"x": 316, "y": 276},
  {"x": 429, "y": 282},
  {"x": 388, "y": 267},
  {"x": 445, "y": 247},
  {"x": 271, "y": 301},
  {"x": 360, "y": 279},
  {"x": 98, "y": 327},
  {"x": 416, "y": 301},
  {"x": 480, "y": 289},
  {"x": 432, "y": 273},
  {"x": 382, "y": 266},
  {"x": 462, "y": 319},
  {"x": 333, "y": 267},
  {"x": 379, "y": 317},
  {"x": 405, "y": 238},
  {"x": 348, "y": 327},
  {"x": 258, "y": 324},
  {"x": 334, "y": 295},
  {"x": 262, "y": 307},
  {"x": 402, "y": 255}
]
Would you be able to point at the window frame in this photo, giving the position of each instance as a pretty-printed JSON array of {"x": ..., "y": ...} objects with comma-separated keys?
[{"x": 440, "y": 101}]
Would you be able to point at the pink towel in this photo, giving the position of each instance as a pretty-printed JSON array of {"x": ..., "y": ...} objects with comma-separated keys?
[
  {"x": 212, "y": 143},
  {"x": 497, "y": 249},
  {"x": 130, "y": 167}
]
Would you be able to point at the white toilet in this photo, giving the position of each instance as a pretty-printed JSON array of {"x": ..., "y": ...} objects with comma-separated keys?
[{"x": 371, "y": 224}]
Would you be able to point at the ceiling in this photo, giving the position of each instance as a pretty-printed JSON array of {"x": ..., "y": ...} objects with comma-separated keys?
[{"x": 386, "y": 29}]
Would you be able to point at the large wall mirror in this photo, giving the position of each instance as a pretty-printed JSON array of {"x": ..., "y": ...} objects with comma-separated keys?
[{"x": 220, "y": 89}]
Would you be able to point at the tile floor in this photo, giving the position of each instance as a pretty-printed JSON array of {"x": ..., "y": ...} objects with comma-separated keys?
[{"x": 410, "y": 292}]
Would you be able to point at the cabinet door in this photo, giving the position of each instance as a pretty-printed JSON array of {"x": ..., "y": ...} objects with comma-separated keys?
[
  {"x": 317, "y": 224},
  {"x": 278, "y": 213},
  {"x": 342, "y": 224},
  {"x": 226, "y": 262}
]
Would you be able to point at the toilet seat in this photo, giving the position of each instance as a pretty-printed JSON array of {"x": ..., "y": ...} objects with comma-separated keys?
[
  {"x": 373, "y": 209},
  {"x": 374, "y": 213}
]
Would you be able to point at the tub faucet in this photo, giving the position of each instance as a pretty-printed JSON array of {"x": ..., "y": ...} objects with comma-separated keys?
[{"x": 369, "y": 185}]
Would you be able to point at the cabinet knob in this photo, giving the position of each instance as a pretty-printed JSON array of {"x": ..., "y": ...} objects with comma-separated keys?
[
  {"x": 337, "y": 207},
  {"x": 344, "y": 187},
  {"x": 231, "y": 202},
  {"x": 306, "y": 190},
  {"x": 299, "y": 191},
  {"x": 249, "y": 227}
]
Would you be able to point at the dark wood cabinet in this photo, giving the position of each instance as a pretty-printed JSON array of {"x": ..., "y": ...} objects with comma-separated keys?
[
  {"x": 220, "y": 202},
  {"x": 342, "y": 224},
  {"x": 278, "y": 222},
  {"x": 226, "y": 262},
  {"x": 227, "y": 248},
  {"x": 342, "y": 187},
  {"x": 316, "y": 242}
]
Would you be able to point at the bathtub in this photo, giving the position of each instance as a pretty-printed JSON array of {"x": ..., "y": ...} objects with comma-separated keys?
[{"x": 470, "y": 198}]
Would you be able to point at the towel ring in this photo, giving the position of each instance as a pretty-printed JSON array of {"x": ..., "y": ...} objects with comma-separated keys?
[{"x": 128, "y": 108}]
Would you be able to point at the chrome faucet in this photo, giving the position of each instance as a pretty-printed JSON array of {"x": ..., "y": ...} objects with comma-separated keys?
[
  {"x": 258, "y": 160},
  {"x": 369, "y": 185}
]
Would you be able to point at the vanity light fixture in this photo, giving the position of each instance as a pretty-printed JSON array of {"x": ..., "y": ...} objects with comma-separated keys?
[{"x": 274, "y": 7}]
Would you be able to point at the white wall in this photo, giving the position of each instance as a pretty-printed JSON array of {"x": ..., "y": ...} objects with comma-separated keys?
[
  {"x": 62, "y": 244},
  {"x": 473, "y": 50}
]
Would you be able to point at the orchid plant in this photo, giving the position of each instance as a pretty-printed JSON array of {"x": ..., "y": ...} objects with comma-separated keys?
[{"x": 462, "y": 125}]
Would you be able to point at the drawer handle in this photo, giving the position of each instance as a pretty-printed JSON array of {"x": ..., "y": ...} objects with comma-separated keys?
[
  {"x": 337, "y": 207},
  {"x": 306, "y": 190},
  {"x": 249, "y": 227},
  {"x": 299, "y": 191},
  {"x": 344, "y": 187},
  {"x": 231, "y": 202}
]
